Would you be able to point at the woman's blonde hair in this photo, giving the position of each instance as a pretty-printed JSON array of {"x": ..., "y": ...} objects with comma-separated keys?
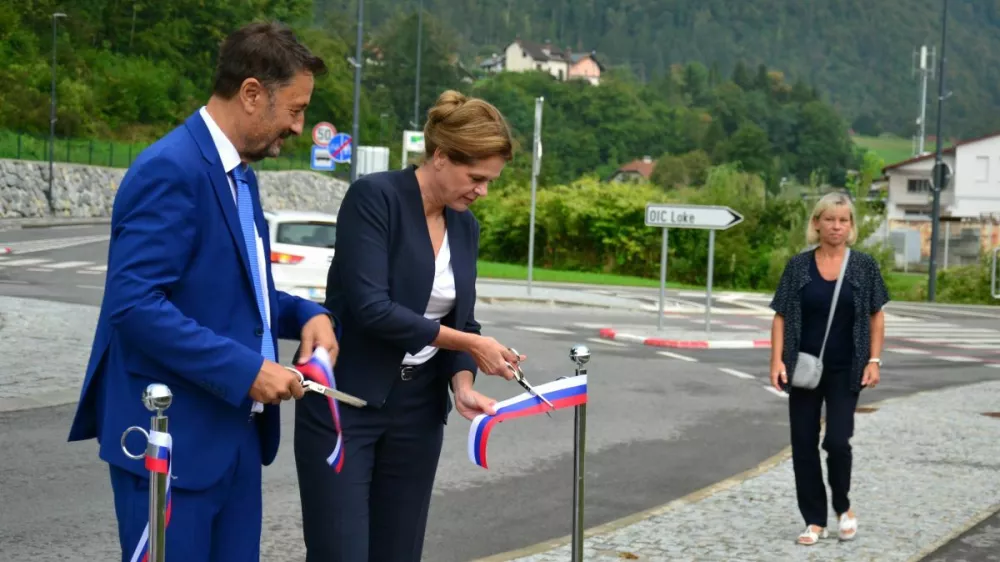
[
  {"x": 466, "y": 130},
  {"x": 827, "y": 202}
]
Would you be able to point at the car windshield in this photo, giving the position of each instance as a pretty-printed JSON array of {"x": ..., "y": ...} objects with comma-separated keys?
[{"x": 307, "y": 233}]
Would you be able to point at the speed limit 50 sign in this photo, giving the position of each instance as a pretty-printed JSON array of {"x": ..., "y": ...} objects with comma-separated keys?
[{"x": 323, "y": 133}]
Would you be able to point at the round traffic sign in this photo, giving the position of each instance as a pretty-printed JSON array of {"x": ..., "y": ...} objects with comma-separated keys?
[
  {"x": 323, "y": 132},
  {"x": 340, "y": 148}
]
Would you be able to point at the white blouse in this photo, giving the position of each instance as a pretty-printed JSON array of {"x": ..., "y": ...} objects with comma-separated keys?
[{"x": 441, "y": 301}]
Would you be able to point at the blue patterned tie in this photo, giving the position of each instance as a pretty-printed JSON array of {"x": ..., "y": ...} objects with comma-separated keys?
[{"x": 245, "y": 206}]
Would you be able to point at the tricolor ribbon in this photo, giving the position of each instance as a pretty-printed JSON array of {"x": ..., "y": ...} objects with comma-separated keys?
[
  {"x": 318, "y": 369},
  {"x": 159, "y": 448},
  {"x": 563, "y": 393}
]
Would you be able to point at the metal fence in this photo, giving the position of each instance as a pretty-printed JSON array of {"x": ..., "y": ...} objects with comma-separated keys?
[
  {"x": 962, "y": 242},
  {"x": 23, "y": 146}
]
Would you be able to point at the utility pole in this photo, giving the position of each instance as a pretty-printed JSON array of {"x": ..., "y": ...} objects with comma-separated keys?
[
  {"x": 925, "y": 61},
  {"x": 416, "y": 82},
  {"x": 52, "y": 112},
  {"x": 939, "y": 169},
  {"x": 357, "y": 92}
]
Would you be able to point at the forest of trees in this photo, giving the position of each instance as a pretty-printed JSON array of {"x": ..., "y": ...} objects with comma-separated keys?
[
  {"x": 131, "y": 71},
  {"x": 859, "y": 53}
]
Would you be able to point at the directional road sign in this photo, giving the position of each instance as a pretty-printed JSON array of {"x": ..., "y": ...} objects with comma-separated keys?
[
  {"x": 703, "y": 217},
  {"x": 322, "y": 133},
  {"x": 321, "y": 160},
  {"x": 340, "y": 148}
]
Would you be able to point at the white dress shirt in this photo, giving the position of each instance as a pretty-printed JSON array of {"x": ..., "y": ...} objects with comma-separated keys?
[
  {"x": 230, "y": 159},
  {"x": 441, "y": 301}
]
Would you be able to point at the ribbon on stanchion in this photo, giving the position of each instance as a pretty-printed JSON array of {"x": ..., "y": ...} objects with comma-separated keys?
[
  {"x": 158, "y": 459},
  {"x": 563, "y": 393},
  {"x": 319, "y": 370}
]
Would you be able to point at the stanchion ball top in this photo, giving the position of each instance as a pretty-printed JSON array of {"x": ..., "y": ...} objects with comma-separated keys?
[
  {"x": 579, "y": 353},
  {"x": 157, "y": 397}
]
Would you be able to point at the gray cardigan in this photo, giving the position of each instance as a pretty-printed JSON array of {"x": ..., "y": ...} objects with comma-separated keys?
[{"x": 870, "y": 295}]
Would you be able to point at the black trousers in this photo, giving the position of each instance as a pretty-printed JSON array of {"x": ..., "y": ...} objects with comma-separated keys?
[
  {"x": 375, "y": 510},
  {"x": 804, "y": 407}
]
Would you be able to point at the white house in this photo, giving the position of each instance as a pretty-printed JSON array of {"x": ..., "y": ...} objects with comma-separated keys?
[
  {"x": 562, "y": 64},
  {"x": 972, "y": 191}
]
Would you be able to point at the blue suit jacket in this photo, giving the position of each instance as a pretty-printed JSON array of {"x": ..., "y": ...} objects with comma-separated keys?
[
  {"x": 179, "y": 309},
  {"x": 380, "y": 281}
]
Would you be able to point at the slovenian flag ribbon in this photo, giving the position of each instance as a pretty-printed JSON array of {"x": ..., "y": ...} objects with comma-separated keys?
[
  {"x": 563, "y": 393},
  {"x": 318, "y": 369},
  {"x": 159, "y": 449}
]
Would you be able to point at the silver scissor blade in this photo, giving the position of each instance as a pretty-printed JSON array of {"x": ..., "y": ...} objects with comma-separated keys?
[{"x": 336, "y": 394}]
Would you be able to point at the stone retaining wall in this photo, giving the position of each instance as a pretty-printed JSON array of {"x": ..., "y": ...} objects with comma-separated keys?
[{"x": 88, "y": 191}]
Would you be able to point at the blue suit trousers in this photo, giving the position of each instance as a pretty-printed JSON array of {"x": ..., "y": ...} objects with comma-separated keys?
[{"x": 207, "y": 525}]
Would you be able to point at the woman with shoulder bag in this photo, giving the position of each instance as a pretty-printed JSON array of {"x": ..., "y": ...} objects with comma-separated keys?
[{"x": 826, "y": 341}]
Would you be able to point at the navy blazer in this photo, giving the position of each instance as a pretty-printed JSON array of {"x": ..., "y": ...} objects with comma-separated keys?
[
  {"x": 179, "y": 308},
  {"x": 380, "y": 281}
]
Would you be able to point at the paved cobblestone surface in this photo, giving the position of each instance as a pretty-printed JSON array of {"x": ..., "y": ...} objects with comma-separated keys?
[
  {"x": 45, "y": 347},
  {"x": 925, "y": 467}
]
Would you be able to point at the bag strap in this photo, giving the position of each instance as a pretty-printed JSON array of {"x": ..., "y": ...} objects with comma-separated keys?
[{"x": 833, "y": 303}]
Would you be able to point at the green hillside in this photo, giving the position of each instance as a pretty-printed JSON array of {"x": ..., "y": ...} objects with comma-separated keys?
[{"x": 859, "y": 53}]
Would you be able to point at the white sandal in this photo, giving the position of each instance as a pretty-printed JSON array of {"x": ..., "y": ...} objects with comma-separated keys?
[
  {"x": 848, "y": 527},
  {"x": 810, "y": 537}
]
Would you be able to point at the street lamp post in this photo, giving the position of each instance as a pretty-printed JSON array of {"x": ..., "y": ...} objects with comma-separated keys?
[
  {"x": 939, "y": 169},
  {"x": 416, "y": 82},
  {"x": 357, "y": 92},
  {"x": 52, "y": 110}
]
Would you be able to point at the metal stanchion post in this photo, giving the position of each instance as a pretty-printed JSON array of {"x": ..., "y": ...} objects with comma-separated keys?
[
  {"x": 157, "y": 398},
  {"x": 580, "y": 355}
]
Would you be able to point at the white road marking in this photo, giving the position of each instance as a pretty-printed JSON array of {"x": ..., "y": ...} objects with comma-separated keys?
[
  {"x": 543, "y": 330},
  {"x": 776, "y": 392},
  {"x": 735, "y": 373},
  {"x": 68, "y": 264},
  {"x": 907, "y": 351},
  {"x": 957, "y": 359},
  {"x": 677, "y": 356},
  {"x": 607, "y": 342},
  {"x": 26, "y": 261}
]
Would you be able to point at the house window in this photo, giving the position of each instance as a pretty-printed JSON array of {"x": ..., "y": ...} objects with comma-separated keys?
[
  {"x": 982, "y": 169},
  {"x": 560, "y": 74},
  {"x": 538, "y": 67},
  {"x": 918, "y": 186}
]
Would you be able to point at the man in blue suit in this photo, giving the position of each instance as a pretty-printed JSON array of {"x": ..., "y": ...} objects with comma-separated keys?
[{"x": 189, "y": 302}]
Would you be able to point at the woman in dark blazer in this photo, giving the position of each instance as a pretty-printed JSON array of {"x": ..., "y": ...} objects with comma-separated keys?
[
  {"x": 851, "y": 357},
  {"x": 402, "y": 283}
]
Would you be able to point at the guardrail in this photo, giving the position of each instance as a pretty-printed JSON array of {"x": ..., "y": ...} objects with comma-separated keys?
[{"x": 995, "y": 273}]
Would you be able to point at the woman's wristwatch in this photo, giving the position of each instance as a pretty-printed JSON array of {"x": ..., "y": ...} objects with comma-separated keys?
[{"x": 876, "y": 360}]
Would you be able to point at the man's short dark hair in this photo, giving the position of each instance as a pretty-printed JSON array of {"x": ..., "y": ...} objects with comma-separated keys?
[{"x": 267, "y": 51}]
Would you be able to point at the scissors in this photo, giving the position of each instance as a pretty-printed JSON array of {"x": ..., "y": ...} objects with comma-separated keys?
[
  {"x": 313, "y": 386},
  {"x": 519, "y": 377}
]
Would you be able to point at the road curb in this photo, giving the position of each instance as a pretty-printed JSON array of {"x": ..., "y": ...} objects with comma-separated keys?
[
  {"x": 617, "y": 524},
  {"x": 611, "y": 334},
  {"x": 46, "y": 400},
  {"x": 550, "y": 302},
  {"x": 767, "y": 465},
  {"x": 16, "y": 224}
]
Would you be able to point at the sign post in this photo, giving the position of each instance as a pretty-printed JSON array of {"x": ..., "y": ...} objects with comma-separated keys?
[
  {"x": 993, "y": 274},
  {"x": 699, "y": 217},
  {"x": 323, "y": 133},
  {"x": 580, "y": 355},
  {"x": 340, "y": 148},
  {"x": 413, "y": 142},
  {"x": 536, "y": 162}
]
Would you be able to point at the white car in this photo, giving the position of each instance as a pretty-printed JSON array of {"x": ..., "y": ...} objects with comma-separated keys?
[{"x": 301, "y": 251}]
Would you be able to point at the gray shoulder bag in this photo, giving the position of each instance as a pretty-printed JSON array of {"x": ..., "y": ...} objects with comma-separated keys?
[{"x": 808, "y": 367}]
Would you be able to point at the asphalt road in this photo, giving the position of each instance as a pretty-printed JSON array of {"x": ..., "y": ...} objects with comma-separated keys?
[{"x": 660, "y": 425}]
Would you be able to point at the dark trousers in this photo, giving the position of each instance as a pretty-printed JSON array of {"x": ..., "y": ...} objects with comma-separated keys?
[
  {"x": 220, "y": 524},
  {"x": 375, "y": 510},
  {"x": 804, "y": 407}
]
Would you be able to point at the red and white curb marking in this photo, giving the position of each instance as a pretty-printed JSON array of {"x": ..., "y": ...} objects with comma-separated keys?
[{"x": 611, "y": 334}]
